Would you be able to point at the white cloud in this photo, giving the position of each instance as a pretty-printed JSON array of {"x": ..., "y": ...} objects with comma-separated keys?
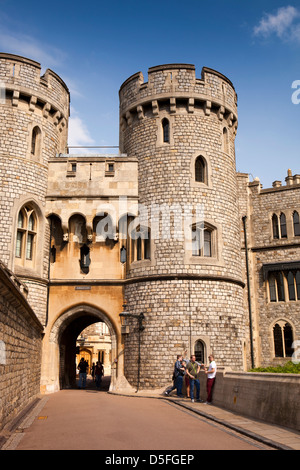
[
  {"x": 283, "y": 24},
  {"x": 79, "y": 135},
  {"x": 27, "y": 46}
]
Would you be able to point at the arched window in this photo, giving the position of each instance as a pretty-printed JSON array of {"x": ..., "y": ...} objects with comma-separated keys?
[
  {"x": 140, "y": 244},
  {"x": 35, "y": 141},
  {"x": 199, "y": 351},
  {"x": 200, "y": 170},
  {"x": 280, "y": 286},
  {"x": 203, "y": 243},
  {"x": 296, "y": 224},
  {"x": 277, "y": 282},
  {"x": 272, "y": 289},
  {"x": 56, "y": 236},
  {"x": 276, "y": 287},
  {"x": 275, "y": 226},
  {"x": 291, "y": 286},
  {"x": 26, "y": 234},
  {"x": 104, "y": 228},
  {"x": 293, "y": 279},
  {"x": 77, "y": 228},
  {"x": 166, "y": 130},
  {"x": 283, "y": 232},
  {"x": 283, "y": 339}
]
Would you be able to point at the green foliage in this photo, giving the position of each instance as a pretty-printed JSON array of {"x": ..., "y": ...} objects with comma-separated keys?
[{"x": 288, "y": 368}]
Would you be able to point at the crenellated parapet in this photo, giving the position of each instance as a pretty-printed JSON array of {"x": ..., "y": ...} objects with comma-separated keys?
[
  {"x": 23, "y": 83},
  {"x": 175, "y": 87},
  {"x": 182, "y": 131},
  {"x": 34, "y": 113}
]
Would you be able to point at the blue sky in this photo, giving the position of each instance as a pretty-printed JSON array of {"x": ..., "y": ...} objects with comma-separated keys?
[{"x": 95, "y": 46}]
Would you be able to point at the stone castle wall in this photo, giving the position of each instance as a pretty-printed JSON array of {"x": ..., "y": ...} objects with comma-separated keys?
[
  {"x": 198, "y": 111},
  {"x": 185, "y": 298},
  {"x": 20, "y": 348},
  {"x": 30, "y": 101},
  {"x": 266, "y": 252},
  {"x": 177, "y": 314}
]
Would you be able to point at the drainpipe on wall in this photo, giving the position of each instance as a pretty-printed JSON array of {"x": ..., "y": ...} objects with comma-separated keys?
[
  {"x": 49, "y": 264},
  {"x": 249, "y": 293}
]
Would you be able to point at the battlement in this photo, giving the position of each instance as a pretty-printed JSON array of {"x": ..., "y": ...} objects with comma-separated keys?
[
  {"x": 23, "y": 83},
  {"x": 292, "y": 182},
  {"x": 177, "y": 84}
]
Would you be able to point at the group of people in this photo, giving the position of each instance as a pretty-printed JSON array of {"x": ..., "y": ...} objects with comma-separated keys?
[
  {"x": 97, "y": 373},
  {"x": 188, "y": 370}
]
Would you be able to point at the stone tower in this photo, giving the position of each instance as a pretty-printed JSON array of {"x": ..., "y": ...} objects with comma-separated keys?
[
  {"x": 33, "y": 122},
  {"x": 187, "y": 278}
]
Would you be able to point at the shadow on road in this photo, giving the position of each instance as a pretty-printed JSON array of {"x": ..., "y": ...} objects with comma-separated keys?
[{"x": 91, "y": 384}]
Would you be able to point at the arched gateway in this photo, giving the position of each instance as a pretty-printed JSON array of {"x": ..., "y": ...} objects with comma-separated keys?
[{"x": 59, "y": 365}]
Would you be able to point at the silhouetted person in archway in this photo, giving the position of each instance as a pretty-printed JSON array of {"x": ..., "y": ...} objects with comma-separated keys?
[
  {"x": 82, "y": 366},
  {"x": 93, "y": 371},
  {"x": 99, "y": 372}
]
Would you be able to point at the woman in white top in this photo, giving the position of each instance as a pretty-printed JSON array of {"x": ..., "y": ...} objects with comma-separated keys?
[{"x": 211, "y": 376}]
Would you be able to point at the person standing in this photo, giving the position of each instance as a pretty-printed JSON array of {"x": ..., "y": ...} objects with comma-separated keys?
[
  {"x": 193, "y": 370},
  {"x": 211, "y": 377},
  {"x": 93, "y": 371},
  {"x": 179, "y": 371},
  {"x": 82, "y": 366},
  {"x": 98, "y": 374}
]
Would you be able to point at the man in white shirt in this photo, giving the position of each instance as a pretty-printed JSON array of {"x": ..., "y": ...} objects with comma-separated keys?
[{"x": 211, "y": 376}]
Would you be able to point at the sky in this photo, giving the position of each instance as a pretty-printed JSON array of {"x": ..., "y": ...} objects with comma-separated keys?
[{"x": 95, "y": 46}]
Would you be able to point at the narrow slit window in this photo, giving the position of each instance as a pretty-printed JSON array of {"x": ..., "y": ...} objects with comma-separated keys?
[
  {"x": 19, "y": 244},
  {"x": 166, "y": 130},
  {"x": 35, "y": 141},
  {"x": 272, "y": 289},
  {"x": 283, "y": 231},
  {"x": 291, "y": 286},
  {"x": 85, "y": 259},
  {"x": 278, "y": 343},
  {"x": 275, "y": 227},
  {"x": 207, "y": 243},
  {"x": 297, "y": 278},
  {"x": 200, "y": 170},
  {"x": 296, "y": 223},
  {"x": 280, "y": 287}
]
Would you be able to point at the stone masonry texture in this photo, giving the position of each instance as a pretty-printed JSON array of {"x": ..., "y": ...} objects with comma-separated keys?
[{"x": 216, "y": 300}]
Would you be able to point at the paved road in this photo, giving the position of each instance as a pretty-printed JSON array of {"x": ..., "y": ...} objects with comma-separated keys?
[{"x": 93, "y": 420}]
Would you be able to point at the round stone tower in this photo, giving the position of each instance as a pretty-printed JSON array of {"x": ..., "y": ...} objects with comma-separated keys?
[
  {"x": 33, "y": 128},
  {"x": 187, "y": 278}
]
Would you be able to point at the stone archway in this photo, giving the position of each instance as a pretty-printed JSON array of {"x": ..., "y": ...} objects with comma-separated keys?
[{"x": 62, "y": 345}]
